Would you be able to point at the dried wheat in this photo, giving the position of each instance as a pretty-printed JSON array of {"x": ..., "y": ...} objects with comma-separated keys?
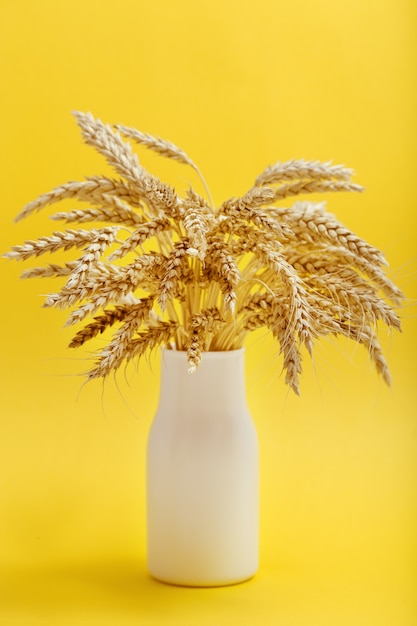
[
  {"x": 125, "y": 216},
  {"x": 200, "y": 329},
  {"x": 112, "y": 356},
  {"x": 293, "y": 170},
  {"x": 215, "y": 274},
  {"x": 222, "y": 268},
  {"x": 174, "y": 268},
  {"x": 311, "y": 223},
  {"x": 197, "y": 218},
  {"x": 142, "y": 233},
  {"x": 49, "y": 271},
  {"x": 294, "y": 189},
  {"x": 61, "y": 240},
  {"x": 161, "y": 146},
  {"x": 108, "y": 143},
  {"x": 154, "y": 336},
  {"x": 99, "y": 324},
  {"x": 96, "y": 190}
]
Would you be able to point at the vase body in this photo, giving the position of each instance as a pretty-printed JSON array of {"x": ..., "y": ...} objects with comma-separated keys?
[{"x": 202, "y": 474}]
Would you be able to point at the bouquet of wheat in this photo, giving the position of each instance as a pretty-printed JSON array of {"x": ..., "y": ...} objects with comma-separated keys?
[{"x": 184, "y": 274}]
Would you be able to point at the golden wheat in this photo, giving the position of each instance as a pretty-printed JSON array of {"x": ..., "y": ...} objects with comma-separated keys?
[
  {"x": 200, "y": 330},
  {"x": 203, "y": 277},
  {"x": 301, "y": 169}
]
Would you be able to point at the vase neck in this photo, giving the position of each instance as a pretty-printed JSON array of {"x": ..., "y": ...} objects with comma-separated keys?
[{"x": 218, "y": 383}]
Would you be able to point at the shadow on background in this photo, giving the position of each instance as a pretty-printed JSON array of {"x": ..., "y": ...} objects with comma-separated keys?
[
  {"x": 121, "y": 593},
  {"x": 111, "y": 592}
]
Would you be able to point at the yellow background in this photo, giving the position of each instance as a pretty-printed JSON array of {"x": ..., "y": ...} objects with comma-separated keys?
[{"x": 238, "y": 85}]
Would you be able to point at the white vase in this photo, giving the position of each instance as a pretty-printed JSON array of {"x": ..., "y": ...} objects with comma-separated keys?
[{"x": 202, "y": 474}]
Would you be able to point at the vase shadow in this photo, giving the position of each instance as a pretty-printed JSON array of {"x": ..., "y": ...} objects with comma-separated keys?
[{"x": 100, "y": 588}]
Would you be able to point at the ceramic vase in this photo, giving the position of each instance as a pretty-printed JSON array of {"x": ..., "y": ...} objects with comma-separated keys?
[{"x": 202, "y": 474}]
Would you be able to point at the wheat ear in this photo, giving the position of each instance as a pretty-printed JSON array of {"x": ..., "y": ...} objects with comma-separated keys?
[
  {"x": 99, "y": 325},
  {"x": 200, "y": 328},
  {"x": 157, "y": 334},
  {"x": 61, "y": 240},
  {"x": 96, "y": 190},
  {"x": 109, "y": 144},
  {"x": 299, "y": 169},
  {"x": 164, "y": 148},
  {"x": 112, "y": 356}
]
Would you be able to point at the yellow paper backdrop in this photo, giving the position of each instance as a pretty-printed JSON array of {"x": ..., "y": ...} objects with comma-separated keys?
[{"x": 238, "y": 85}]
